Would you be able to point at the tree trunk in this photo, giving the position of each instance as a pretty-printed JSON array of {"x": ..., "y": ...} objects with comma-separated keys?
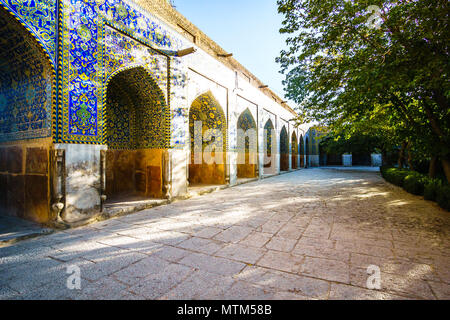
[
  {"x": 384, "y": 159},
  {"x": 432, "y": 168},
  {"x": 435, "y": 127},
  {"x": 401, "y": 155},
  {"x": 411, "y": 167},
  {"x": 441, "y": 100},
  {"x": 446, "y": 166}
]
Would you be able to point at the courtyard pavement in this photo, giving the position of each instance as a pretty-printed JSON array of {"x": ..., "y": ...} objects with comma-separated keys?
[
  {"x": 13, "y": 229},
  {"x": 309, "y": 234}
]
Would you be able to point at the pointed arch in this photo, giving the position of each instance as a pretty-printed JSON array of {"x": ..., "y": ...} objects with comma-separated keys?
[
  {"x": 136, "y": 131},
  {"x": 270, "y": 147},
  {"x": 27, "y": 82},
  {"x": 247, "y": 145},
  {"x": 137, "y": 115},
  {"x": 46, "y": 43},
  {"x": 307, "y": 152},
  {"x": 246, "y": 120},
  {"x": 302, "y": 151},
  {"x": 208, "y": 141},
  {"x": 27, "y": 103},
  {"x": 294, "y": 151},
  {"x": 284, "y": 150}
]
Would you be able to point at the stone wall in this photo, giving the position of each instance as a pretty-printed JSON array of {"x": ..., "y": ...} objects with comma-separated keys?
[
  {"x": 207, "y": 173},
  {"x": 24, "y": 180},
  {"x": 134, "y": 172},
  {"x": 248, "y": 169},
  {"x": 376, "y": 160},
  {"x": 82, "y": 180}
]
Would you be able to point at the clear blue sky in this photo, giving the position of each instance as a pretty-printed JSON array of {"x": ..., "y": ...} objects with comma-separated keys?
[{"x": 247, "y": 28}]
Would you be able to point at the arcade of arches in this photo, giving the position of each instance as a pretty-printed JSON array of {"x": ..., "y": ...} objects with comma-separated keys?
[{"x": 137, "y": 134}]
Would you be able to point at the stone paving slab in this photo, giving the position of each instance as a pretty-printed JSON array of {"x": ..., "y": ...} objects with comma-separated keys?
[
  {"x": 309, "y": 234},
  {"x": 13, "y": 229}
]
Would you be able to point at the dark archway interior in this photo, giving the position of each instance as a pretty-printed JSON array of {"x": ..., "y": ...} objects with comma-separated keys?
[
  {"x": 247, "y": 146},
  {"x": 294, "y": 150},
  {"x": 302, "y": 152},
  {"x": 334, "y": 159},
  {"x": 361, "y": 159},
  {"x": 208, "y": 156},
  {"x": 26, "y": 79},
  {"x": 136, "y": 128},
  {"x": 307, "y": 152},
  {"x": 322, "y": 157},
  {"x": 284, "y": 150}
]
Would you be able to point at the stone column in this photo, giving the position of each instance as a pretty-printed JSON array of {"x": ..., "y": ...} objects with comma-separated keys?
[
  {"x": 167, "y": 174},
  {"x": 376, "y": 159},
  {"x": 347, "y": 160},
  {"x": 82, "y": 180},
  {"x": 178, "y": 171}
]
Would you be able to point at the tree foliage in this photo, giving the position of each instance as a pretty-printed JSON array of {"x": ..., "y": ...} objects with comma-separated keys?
[
  {"x": 355, "y": 77},
  {"x": 363, "y": 144}
]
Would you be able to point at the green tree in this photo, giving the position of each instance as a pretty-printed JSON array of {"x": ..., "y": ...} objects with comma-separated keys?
[{"x": 342, "y": 69}]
